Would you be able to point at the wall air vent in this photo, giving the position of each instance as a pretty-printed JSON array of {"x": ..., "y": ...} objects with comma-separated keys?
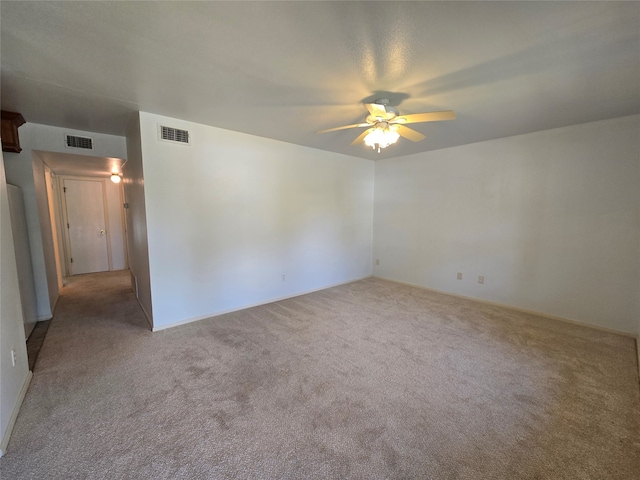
[
  {"x": 74, "y": 141},
  {"x": 171, "y": 134}
]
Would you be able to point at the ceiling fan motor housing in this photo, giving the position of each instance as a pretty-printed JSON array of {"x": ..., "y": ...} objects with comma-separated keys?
[{"x": 390, "y": 112}]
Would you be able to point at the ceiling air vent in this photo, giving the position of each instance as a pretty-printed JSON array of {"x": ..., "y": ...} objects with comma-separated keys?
[
  {"x": 74, "y": 141},
  {"x": 171, "y": 134}
]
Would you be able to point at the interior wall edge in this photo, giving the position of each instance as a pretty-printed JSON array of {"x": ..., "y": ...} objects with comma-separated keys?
[
  {"x": 146, "y": 314},
  {"x": 6, "y": 436},
  {"x": 517, "y": 309},
  {"x": 559, "y": 130},
  {"x": 274, "y": 300}
]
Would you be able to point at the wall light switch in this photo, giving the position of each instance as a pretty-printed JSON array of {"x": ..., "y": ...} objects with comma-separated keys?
[
  {"x": 459, "y": 276},
  {"x": 377, "y": 261},
  {"x": 480, "y": 279}
]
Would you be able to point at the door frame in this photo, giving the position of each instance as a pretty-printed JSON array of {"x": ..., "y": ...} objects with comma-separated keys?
[
  {"x": 65, "y": 218},
  {"x": 123, "y": 220},
  {"x": 55, "y": 216}
]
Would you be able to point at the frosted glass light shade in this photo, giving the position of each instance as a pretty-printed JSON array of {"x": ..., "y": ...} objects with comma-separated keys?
[{"x": 381, "y": 138}]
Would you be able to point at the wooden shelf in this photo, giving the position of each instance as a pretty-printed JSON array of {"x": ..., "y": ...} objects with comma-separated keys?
[{"x": 10, "y": 123}]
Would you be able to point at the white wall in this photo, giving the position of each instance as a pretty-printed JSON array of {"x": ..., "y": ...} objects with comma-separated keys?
[
  {"x": 13, "y": 379},
  {"x": 26, "y": 171},
  {"x": 136, "y": 218},
  {"x": 550, "y": 219},
  {"x": 231, "y": 214},
  {"x": 23, "y": 258}
]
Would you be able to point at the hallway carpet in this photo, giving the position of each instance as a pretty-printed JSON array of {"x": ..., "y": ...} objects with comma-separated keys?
[{"x": 370, "y": 380}]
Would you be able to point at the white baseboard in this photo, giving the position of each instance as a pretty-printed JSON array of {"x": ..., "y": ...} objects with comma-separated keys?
[
  {"x": 14, "y": 414},
  {"x": 517, "y": 309},
  {"x": 638, "y": 352},
  {"x": 55, "y": 304},
  {"x": 278, "y": 299}
]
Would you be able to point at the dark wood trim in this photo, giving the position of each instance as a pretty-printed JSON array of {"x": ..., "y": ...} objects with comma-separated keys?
[{"x": 9, "y": 132}]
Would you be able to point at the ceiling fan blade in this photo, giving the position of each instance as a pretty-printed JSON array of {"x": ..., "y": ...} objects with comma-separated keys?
[
  {"x": 361, "y": 136},
  {"x": 425, "y": 117},
  {"x": 376, "y": 109},
  {"x": 409, "y": 133},
  {"x": 355, "y": 125}
]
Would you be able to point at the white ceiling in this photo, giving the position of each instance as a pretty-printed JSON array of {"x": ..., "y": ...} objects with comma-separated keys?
[
  {"x": 286, "y": 69},
  {"x": 80, "y": 165}
]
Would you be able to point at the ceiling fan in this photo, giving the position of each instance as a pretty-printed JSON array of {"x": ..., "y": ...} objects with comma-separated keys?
[{"x": 386, "y": 126}]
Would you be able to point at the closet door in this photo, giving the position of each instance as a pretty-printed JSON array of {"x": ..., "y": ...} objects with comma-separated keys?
[{"x": 86, "y": 226}]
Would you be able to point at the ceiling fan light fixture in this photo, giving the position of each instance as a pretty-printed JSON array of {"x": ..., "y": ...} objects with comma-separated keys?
[
  {"x": 381, "y": 138},
  {"x": 386, "y": 126}
]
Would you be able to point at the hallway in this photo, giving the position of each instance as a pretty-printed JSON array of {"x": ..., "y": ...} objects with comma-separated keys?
[
  {"x": 97, "y": 326},
  {"x": 105, "y": 295}
]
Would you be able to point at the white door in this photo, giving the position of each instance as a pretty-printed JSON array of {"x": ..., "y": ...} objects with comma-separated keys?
[{"x": 86, "y": 226}]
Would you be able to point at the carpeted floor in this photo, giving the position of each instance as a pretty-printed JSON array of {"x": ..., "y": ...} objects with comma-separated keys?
[{"x": 368, "y": 380}]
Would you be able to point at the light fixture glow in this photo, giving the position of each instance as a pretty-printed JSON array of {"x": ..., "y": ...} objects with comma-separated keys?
[
  {"x": 115, "y": 178},
  {"x": 381, "y": 137}
]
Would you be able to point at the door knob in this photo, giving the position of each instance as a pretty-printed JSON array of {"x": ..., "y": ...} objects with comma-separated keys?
[{"x": 102, "y": 232}]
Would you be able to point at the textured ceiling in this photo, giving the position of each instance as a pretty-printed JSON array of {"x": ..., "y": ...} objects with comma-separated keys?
[{"x": 283, "y": 70}]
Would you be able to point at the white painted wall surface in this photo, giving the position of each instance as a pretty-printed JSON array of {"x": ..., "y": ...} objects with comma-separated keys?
[
  {"x": 13, "y": 379},
  {"x": 136, "y": 217},
  {"x": 23, "y": 259},
  {"x": 20, "y": 171},
  {"x": 550, "y": 219},
  {"x": 231, "y": 214}
]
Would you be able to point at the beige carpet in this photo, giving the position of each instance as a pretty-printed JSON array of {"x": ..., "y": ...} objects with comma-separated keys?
[{"x": 369, "y": 380}]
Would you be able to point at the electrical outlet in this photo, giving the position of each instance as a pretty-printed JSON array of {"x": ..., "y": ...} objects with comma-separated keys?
[
  {"x": 377, "y": 261},
  {"x": 480, "y": 279},
  {"x": 283, "y": 277},
  {"x": 459, "y": 276},
  {"x": 13, "y": 357}
]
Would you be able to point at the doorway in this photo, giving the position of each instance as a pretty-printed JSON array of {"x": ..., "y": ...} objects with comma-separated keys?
[{"x": 93, "y": 241}]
